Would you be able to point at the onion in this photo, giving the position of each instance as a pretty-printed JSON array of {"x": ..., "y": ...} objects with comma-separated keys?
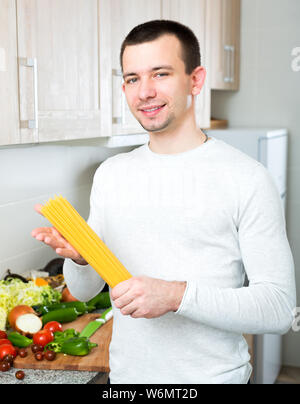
[
  {"x": 24, "y": 320},
  {"x": 28, "y": 324}
]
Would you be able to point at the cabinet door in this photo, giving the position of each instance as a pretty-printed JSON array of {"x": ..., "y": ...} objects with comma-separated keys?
[
  {"x": 195, "y": 17},
  {"x": 225, "y": 44},
  {"x": 9, "y": 110},
  {"x": 58, "y": 69},
  {"x": 117, "y": 18}
]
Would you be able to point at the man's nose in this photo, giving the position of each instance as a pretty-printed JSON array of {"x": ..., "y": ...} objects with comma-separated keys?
[{"x": 146, "y": 89}]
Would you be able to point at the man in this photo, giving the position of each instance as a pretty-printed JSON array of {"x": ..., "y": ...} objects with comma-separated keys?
[{"x": 185, "y": 214}]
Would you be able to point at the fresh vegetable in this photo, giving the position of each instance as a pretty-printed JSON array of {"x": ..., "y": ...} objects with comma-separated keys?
[
  {"x": 9, "y": 358},
  {"x": 50, "y": 355},
  {"x": 18, "y": 311},
  {"x": 24, "y": 320},
  {"x": 36, "y": 348},
  {"x": 77, "y": 346},
  {"x": 23, "y": 353},
  {"x": 19, "y": 340},
  {"x": 60, "y": 338},
  {"x": 62, "y": 315},
  {"x": 4, "y": 367},
  {"x": 3, "y": 318},
  {"x": 40, "y": 282},
  {"x": 7, "y": 349},
  {"x": 20, "y": 375},
  {"x": 81, "y": 307},
  {"x": 53, "y": 326},
  {"x": 3, "y": 335},
  {"x": 39, "y": 356},
  {"x": 43, "y": 337},
  {"x": 5, "y": 341},
  {"x": 101, "y": 301},
  {"x": 14, "y": 292},
  {"x": 67, "y": 297}
]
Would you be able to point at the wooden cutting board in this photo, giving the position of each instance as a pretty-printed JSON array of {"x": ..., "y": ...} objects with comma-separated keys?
[{"x": 95, "y": 361}]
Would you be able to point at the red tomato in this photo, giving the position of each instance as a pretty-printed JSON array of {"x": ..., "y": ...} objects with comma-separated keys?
[
  {"x": 53, "y": 326},
  {"x": 7, "y": 349},
  {"x": 3, "y": 335},
  {"x": 5, "y": 341},
  {"x": 43, "y": 337}
]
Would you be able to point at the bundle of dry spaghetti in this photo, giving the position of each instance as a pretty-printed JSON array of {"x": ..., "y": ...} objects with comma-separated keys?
[{"x": 80, "y": 235}]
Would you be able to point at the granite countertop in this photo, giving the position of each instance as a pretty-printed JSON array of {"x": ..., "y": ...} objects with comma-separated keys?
[{"x": 34, "y": 376}]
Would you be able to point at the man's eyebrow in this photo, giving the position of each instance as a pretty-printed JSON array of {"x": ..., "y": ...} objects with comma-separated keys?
[{"x": 165, "y": 67}]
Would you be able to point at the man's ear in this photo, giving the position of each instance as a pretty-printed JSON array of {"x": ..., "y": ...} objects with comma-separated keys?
[
  {"x": 123, "y": 87},
  {"x": 198, "y": 78}
]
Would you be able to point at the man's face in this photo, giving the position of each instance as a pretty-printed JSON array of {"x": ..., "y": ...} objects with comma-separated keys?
[{"x": 157, "y": 89}]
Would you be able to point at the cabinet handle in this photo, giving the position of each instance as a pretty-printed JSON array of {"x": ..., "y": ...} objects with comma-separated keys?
[
  {"x": 32, "y": 123},
  {"x": 232, "y": 50},
  {"x": 229, "y": 63},
  {"x": 117, "y": 119}
]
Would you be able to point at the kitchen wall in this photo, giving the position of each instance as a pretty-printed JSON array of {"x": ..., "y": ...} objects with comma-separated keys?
[
  {"x": 32, "y": 174},
  {"x": 269, "y": 96}
]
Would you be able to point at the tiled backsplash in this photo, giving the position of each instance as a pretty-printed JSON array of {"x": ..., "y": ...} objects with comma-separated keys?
[{"x": 32, "y": 174}]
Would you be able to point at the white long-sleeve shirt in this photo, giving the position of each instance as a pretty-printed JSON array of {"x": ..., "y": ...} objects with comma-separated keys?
[{"x": 205, "y": 216}]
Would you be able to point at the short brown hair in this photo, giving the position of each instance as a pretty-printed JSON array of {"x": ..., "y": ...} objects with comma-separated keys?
[{"x": 151, "y": 30}]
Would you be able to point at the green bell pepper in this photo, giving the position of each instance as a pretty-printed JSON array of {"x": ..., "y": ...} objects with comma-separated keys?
[
  {"x": 81, "y": 307},
  {"x": 19, "y": 340},
  {"x": 77, "y": 346},
  {"x": 62, "y": 315},
  {"x": 101, "y": 301}
]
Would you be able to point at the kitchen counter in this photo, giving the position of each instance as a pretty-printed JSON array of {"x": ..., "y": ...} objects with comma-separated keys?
[
  {"x": 33, "y": 376},
  {"x": 38, "y": 376}
]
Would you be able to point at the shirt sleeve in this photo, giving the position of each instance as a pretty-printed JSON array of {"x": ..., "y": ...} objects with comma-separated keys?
[
  {"x": 266, "y": 305},
  {"x": 82, "y": 280}
]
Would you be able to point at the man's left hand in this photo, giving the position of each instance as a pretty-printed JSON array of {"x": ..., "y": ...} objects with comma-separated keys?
[{"x": 147, "y": 297}]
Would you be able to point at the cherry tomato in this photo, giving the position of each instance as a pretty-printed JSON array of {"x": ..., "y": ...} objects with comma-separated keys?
[
  {"x": 9, "y": 359},
  {"x": 39, "y": 356},
  {"x": 37, "y": 348},
  {"x": 4, "y": 366},
  {"x": 7, "y": 349},
  {"x": 23, "y": 353},
  {"x": 5, "y": 341},
  {"x": 50, "y": 355},
  {"x": 20, "y": 374},
  {"x": 43, "y": 337},
  {"x": 3, "y": 335},
  {"x": 53, "y": 326}
]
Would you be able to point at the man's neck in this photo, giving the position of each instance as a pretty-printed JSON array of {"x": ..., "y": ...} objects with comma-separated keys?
[{"x": 176, "y": 141}]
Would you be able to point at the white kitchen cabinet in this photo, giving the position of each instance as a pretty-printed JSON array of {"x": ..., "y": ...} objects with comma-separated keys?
[
  {"x": 195, "y": 14},
  {"x": 225, "y": 44},
  {"x": 117, "y": 18},
  {"x": 58, "y": 55},
  {"x": 9, "y": 109},
  {"x": 60, "y": 72}
]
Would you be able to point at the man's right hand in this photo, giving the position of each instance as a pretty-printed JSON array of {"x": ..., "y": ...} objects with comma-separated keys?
[{"x": 51, "y": 237}]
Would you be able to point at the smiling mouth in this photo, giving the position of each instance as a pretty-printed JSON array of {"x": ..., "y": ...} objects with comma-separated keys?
[{"x": 153, "y": 110}]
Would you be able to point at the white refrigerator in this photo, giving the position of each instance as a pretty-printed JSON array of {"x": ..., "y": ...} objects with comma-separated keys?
[{"x": 270, "y": 147}]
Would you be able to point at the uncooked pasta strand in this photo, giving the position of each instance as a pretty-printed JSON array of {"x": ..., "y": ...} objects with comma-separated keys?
[{"x": 80, "y": 235}]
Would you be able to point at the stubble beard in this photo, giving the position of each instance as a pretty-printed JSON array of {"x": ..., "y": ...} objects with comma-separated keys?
[{"x": 155, "y": 127}]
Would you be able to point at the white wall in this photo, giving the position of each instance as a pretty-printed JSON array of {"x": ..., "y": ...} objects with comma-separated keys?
[
  {"x": 270, "y": 96},
  {"x": 32, "y": 174}
]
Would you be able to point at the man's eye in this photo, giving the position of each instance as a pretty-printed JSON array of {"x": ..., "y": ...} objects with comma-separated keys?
[
  {"x": 131, "y": 81},
  {"x": 161, "y": 74}
]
